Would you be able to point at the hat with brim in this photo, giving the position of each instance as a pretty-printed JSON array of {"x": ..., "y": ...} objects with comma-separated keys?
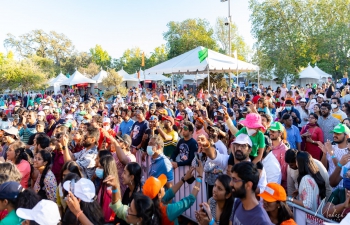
[
  {"x": 153, "y": 185},
  {"x": 126, "y": 139},
  {"x": 180, "y": 118},
  {"x": 252, "y": 121},
  {"x": 200, "y": 120},
  {"x": 44, "y": 212},
  {"x": 243, "y": 139},
  {"x": 168, "y": 118},
  {"x": 273, "y": 192},
  {"x": 12, "y": 131},
  {"x": 340, "y": 129},
  {"x": 276, "y": 126}
]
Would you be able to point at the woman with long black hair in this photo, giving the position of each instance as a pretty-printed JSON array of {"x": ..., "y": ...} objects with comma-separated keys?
[
  {"x": 312, "y": 188},
  {"x": 219, "y": 207},
  {"x": 45, "y": 184},
  {"x": 132, "y": 178}
]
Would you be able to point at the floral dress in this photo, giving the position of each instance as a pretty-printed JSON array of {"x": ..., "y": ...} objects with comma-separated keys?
[
  {"x": 309, "y": 193},
  {"x": 50, "y": 185}
]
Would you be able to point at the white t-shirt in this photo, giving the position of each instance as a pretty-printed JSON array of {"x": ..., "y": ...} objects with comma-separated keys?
[
  {"x": 338, "y": 152},
  {"x": 220, "y": 147},
  {"x": 272, "y": 168}
]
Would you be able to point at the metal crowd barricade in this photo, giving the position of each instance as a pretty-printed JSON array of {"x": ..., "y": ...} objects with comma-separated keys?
[
  {"x": 303, "y": 216},
  {"x": 184, "y": 191}
]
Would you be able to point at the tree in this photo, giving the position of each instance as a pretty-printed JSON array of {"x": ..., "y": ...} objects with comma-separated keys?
[
  {"x": 91, "y": 70},
  {"x": 216, "y": 79},
  {"x": 46, "y": 45},
  {"x": 24, "y": 76},
  {"x": 159, "y": 55},
  {"x": 113, "y": 83},
  {"x": 100, "y": 57},
  {"x": 237, "y": 41},
  {"x": 187, "y": 35},
  {"x": 130, "y": 61},
  {"x": 76, "y": 60},
  {"x": 290, "y": 34}
]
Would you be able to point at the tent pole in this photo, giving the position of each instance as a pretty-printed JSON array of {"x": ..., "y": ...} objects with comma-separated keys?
[
  {"x": 172, "y": 86},
  {"x": 208, "y": 80}
]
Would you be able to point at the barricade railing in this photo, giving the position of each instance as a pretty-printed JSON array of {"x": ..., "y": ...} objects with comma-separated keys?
[
  {"x": 303, "y": 216},
  {"x": 184, "y": 191}
]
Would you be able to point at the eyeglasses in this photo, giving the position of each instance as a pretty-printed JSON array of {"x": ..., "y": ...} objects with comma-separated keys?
[
  {"x": 234, "y": 180},
  {"x": 324, "y": 109}
]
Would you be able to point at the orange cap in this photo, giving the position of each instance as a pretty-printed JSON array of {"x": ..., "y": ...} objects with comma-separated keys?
[
  {"x": 273, "y": 192},
  {"x": 153, "y": 185},
  {"x": 200, "y": 120}
]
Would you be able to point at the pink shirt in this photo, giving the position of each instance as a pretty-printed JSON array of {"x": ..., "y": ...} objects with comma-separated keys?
[
  {"x": 279, "y": 152},
  {"x": 24, "y": 169},
  {"x": 196, "y": 133}
]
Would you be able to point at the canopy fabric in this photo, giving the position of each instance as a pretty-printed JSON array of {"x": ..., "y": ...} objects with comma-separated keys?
[
  {"x": 322, "y": 73},
  {"x": 59, "y": 79},
  {"x": 126, "y": 76},
  {"x": 153, "y": 77},
  {"x": 309, "y": 73},
  {"x": 77, "y": 78},
  {"x": 100, "y": 76},
  {"x": 194, "y": 77},
  {"x": 189, "y": 63}
]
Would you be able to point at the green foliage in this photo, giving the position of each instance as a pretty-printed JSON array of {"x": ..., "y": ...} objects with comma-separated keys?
[
  {"x": 113, "y": 83},
  {"x": 46, "y": 45},
  {"x": 24, "y": 76},
  {"x": 91, "y": 70},
  {"x": 100, "y": 57},
  {"x": 237, "y": 41},
  {"x": 77, "y": 60},
  {"x": 187, "y": 35},
  {"x": 292, "y": 33},
  {"x": 216, "y": 79}
]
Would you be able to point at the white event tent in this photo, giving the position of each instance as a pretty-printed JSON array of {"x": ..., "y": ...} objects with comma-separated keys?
[
  {"x": 323, "y": 74},
  {"x": 59, "y": 79},
  {"x": 151, "y": 77},
  {"x": 189, "y": 62},
  {"x": 98, "y": 78},
  {"x": 128, "y": 80},
  {"x": 308, "y": 75},
  {"x": 77, "y": 78}
]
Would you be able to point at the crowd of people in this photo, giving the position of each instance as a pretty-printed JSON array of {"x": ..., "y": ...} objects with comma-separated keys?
[{"x": 72, "y": 159}]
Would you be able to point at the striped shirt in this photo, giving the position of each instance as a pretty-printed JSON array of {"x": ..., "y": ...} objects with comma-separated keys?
[
  {"x": 86, "y": 160},
  {"x": 327, "y": 125}
]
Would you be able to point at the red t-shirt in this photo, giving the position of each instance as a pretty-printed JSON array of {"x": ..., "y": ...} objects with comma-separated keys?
[
  {"x": 100, "y": 141},
  {"x": 256, "y": 99}
]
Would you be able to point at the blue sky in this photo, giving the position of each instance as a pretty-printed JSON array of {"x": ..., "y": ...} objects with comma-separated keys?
[{"x": 114, "y": 24}]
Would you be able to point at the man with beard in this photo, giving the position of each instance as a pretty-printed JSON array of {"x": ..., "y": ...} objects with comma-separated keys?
[
  {"x": 169, "y": 135},
  {"x": 242, "y": 147},
  {"x": 186, "y": 147},
  {"x": 28, "y": 129},
  {"x": 336, "y": 157},
  {"x": 246, "y": 209},
  {"x": 199, "y": 124},
  {"x": 214, "y": 136},
  {"x": 326, "y": 121},
  {"x": 86, "y": 157},
  {"x": 54, "y": 122},
  {"x": 278, "y": 138},
  {"x": 138, "y": 129}
]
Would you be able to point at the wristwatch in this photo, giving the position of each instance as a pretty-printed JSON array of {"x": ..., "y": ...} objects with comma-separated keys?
[{"x": 290, "y": 199}]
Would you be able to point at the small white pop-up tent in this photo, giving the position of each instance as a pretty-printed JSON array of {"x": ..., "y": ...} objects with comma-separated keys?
[
  {"x": 308, "y": 76},
  {"x": 189, "y": 62},
  {"x": 128, "y": 80},
  {"x": 77, "y": 78},
  {"x": 151, "y": 77},
  {"x": 59, "y": 79},
  {"x": 98, "y": 78},
  {"x": 323, "y": 74}
]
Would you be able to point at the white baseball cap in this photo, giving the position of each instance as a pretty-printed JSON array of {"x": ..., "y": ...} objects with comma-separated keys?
[
  {"x": 44, "y": 212},
  {"x": 320, "y": 95},
  {"x": 243, "y": 139},
  {"x": 41, "y": 113},
  {"x": 46, "y": 108},
  {"x": 84, "y": 189},
  {"x": 69, "y": 116}
]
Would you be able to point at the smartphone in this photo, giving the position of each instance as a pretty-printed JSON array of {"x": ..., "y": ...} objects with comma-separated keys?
[
  {"x": 205, "y": 114},
  {"x": 72, "y": 185},
  {"x": 196, "y": 156},
  {"x": 203, "y": 209}
]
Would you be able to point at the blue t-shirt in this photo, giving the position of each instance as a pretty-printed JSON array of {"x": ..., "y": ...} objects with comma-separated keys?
[
  {"x": 125, "y": 127},
  {"x": 138, "y": 128},
  {"x": 255, "y": 216},
  {"x": 161, "y": 165},
  {"x": 293, "y": 136}
]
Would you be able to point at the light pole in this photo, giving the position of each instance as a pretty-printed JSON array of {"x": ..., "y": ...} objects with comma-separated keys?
[{"x": 228, "y": 23}]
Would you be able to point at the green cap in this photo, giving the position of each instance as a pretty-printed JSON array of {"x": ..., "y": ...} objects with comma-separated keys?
[
  {"x": 341, "y": 128},
  {"x": 82, "y": 113},
  {"x": 276, "y": 126}
]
